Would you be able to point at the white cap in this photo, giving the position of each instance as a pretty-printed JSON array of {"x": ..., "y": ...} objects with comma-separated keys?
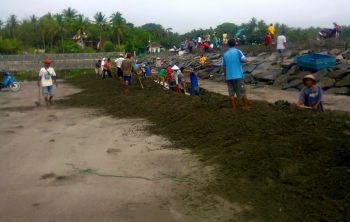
[{"x": 175, "y": 67}]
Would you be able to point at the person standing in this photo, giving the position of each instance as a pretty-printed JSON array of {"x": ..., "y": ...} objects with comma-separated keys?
[
  {"x": 224, "y": 38},
  {"x": 232, "y": 65},
  {"x": 127, "y": 67},
  {"x": 177, "y": 71},
  {"x": 107, "y": 69},
  {"x": 271, "y": 29},
  {"x": 98, "y": 67},
  {"x": 194, "y": 83},
  {"x": 181, "y": 80},
  {"x": 158, "y": 64},
  {"x": 281, "y": 46},
  {"x": 47, "y": 78},
  {"x": 118, "y": 64}
]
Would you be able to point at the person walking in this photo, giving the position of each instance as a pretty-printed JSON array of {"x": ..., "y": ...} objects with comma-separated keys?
[
  {"x": 232, "y": 65},
  {"x": 47, "y": 78},
  {"x": 281, "y": 46},
  {"x": 118, "y": 64},
  {"x": 127, "y": 67}
]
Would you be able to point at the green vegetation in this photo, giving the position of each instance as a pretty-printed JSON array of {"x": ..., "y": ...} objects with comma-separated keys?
[
  {"x": 289, "y": 164},
  {"x": 54, "y": 33}
]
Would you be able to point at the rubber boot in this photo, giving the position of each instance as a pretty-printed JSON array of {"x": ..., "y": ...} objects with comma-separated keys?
[
  {"x": 126, "y": 88},
  {"x": 245, "y": 104},
  {"x": 234, "y": 103}
]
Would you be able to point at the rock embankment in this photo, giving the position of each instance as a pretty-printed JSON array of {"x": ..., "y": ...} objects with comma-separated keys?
[{"x": 263, "y": 69}]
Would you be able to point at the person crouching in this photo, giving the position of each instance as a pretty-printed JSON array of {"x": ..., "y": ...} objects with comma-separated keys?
[{"x": 311, "y": 95}]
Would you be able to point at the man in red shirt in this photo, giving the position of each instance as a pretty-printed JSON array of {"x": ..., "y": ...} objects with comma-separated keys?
[{"x": 169, "y": 75}]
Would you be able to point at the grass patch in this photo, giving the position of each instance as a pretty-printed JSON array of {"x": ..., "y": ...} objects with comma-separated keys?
[{"x": 289, "y": 164}]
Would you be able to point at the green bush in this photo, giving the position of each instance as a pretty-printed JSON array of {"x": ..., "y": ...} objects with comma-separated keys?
[
  {"x": 108, "y": 47},
  {"x": 71, "y": 47},
  {"x": 10, "y": 46},
  {"x": 120, "y": 48}
]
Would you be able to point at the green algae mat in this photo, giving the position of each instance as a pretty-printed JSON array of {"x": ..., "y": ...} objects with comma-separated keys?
[{"x": 288, "y": 164}]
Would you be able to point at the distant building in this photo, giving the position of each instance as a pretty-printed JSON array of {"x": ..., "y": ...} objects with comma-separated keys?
[{"x": 154, "y": 47}]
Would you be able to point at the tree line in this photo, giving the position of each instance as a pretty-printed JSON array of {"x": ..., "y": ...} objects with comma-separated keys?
[{"x": 54, "y": 33}]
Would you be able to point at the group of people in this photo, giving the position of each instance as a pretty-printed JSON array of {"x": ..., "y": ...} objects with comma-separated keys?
[
  {"x": 281, "y": 41},
  {"x": 173, "y": 77},
  {"x": 205, "y": 42}
]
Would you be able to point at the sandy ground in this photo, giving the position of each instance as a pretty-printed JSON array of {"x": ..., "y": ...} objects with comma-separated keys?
[
  {"x": 65, "y": 164},
  {"x": 270, "y": 94}
]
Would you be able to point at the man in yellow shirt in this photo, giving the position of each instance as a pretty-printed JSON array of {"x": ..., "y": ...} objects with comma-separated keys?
[
  {"x": 202, "y": 60},
  {"x": 271, "y": 29}
]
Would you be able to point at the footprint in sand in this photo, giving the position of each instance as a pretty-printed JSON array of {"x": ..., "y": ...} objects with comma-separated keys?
[
  {"x": 113, "y": 151},
  {"x": 51, "y": 118}
]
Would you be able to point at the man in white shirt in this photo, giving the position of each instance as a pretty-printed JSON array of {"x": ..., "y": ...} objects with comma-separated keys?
[
  {"x": 118, "y": 64},
  {"x": 281, "y": 45},
  {"x": 47, "y": 77}
]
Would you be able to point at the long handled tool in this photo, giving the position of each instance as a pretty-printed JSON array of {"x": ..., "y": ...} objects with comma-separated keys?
[
  {"x": 38, "y": 103},
  {"x": 140, "y": 82}
]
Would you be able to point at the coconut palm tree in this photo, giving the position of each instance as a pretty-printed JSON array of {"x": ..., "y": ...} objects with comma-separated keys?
[
  {"x": 69, "y": 14},
  {"x": 101, "y": 21},
  {"x": 61, "y": 28},
  {"x": 12, "y": 23},
  {"x": 34, "y": 20},
  {"x": 119, "y": 26}
]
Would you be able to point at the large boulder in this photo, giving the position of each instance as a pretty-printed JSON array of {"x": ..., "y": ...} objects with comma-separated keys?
[
  {"x": 296, "y": 83},
  {"x": 326, "y": 83},
  {"x": 344, "y": 82},
  {"x": 339, "y": 74},
  {"x": 339, "y": 91},
  {"x": 262, "y": 68},
  {"x": 249, "y": 68},
  {"x": 268, "y": 75},
  {"x": 321, "y": 73}
]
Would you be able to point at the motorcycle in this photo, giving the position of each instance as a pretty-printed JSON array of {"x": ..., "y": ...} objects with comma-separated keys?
[
  {"x": 327, "y": 33},
  {"x": 9, "y": 81}
]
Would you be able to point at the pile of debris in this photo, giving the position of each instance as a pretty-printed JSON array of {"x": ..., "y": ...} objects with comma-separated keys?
[{"x": 263, "y": 69}]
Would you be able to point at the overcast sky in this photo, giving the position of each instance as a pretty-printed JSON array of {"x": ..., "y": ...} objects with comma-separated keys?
[{"x": 185, "y": 15}]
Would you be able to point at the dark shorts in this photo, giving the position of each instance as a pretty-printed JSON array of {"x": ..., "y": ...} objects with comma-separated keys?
[
  {"x": 236, "y": 87},
  {"x": 119, "y": 72},
  {"x": 281, "y": 52},
  {"x": 127, "y": 78}
]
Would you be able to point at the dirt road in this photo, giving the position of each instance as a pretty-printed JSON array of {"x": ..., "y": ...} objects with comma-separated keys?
[
  {"x": 270, "y": 94},
  {"x": 63, "y": 164}
]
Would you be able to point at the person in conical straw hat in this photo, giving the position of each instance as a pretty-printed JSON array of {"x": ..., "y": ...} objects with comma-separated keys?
[{"x": 311, "y": 96}]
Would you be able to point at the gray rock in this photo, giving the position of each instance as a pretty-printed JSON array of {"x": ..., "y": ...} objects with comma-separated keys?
[
  {"x": 326, "y": 83},
  {"x": 296, "y": 83},
  {"x": 321, "y": 73},
  {"x": 262, "y": 68},
  {"x": 344, "y": 82},
  {"x": 339, "y": 74},
  {"x": 268, "y": 75},
  {"x": 281, "y": 80},
  {"x": 249, "y": 68},
  {"x": 339, "y": 91}
]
